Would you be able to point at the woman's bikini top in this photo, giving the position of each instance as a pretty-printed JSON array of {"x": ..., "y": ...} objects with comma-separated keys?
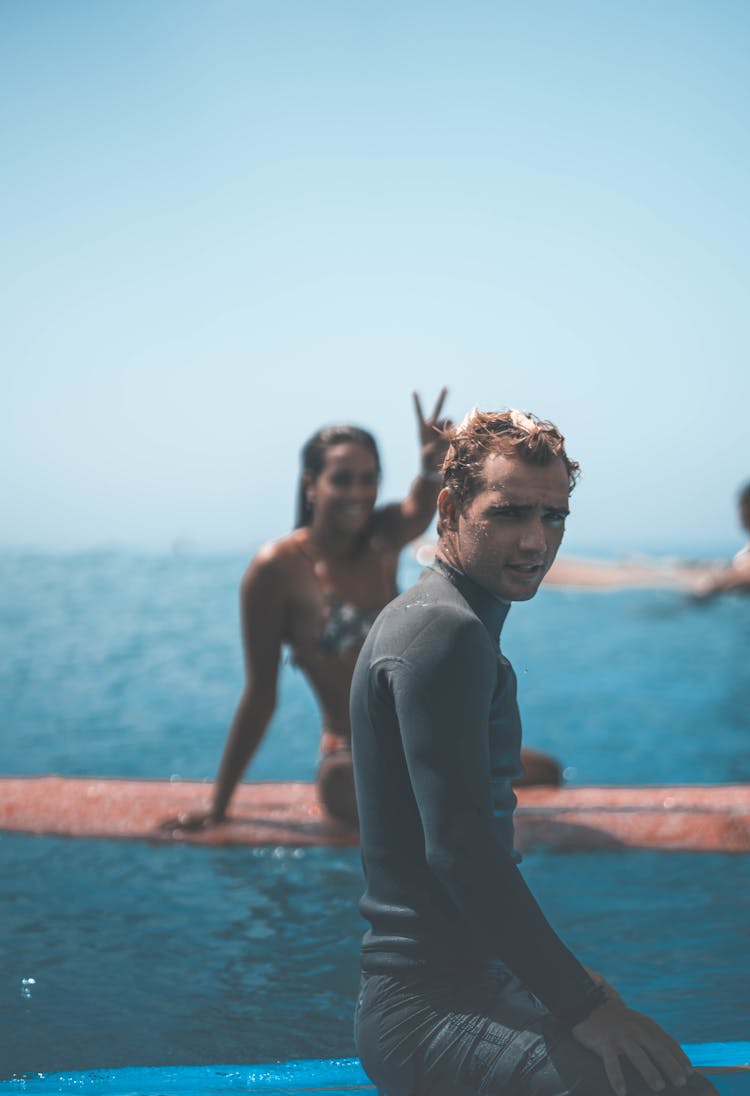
[{"x": 346, "y": 625}]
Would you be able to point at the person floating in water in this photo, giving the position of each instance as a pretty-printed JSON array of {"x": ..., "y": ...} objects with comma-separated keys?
[
  {"x": 736, "y": 577},
  {"x": 466, "y": 988},
  {"x": 318, "y": 590}
]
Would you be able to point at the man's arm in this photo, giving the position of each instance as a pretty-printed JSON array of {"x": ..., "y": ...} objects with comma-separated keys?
[
  {"x": 443, "y": 718},
  {"x": 442, "y": 698}
]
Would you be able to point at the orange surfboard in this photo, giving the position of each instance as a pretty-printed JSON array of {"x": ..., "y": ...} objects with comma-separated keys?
[{"x": 708, "y": 818}]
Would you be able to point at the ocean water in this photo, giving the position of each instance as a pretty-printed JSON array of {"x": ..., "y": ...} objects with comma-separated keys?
[{"x": 119, "y": 953}]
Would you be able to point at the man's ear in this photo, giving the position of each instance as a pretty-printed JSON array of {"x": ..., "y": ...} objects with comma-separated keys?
[{"x": 447, "y": 510}]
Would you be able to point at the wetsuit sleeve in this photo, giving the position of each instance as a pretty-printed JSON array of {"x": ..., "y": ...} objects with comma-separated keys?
[{"x": 443, "y": 714}]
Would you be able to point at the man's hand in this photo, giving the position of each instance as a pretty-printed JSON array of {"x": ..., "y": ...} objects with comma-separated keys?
[
  {"x": 614, "y": 1031},
  {"x": 433, "y": 440},
  {"x": 608, "y": 988}
]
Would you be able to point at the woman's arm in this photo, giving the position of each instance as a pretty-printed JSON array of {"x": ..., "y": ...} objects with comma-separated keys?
[
  {"x": 262, "y": 610},
  {"x": 403, "y": 522},
  {"x": 262, "y": 617}
]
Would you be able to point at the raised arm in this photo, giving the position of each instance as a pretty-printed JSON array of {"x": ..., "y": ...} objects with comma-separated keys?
[
  {"x": 262, "y": 608},
  {"x": 404, "y": 521}
]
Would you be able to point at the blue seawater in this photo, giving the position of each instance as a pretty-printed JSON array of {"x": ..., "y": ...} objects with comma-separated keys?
[{"x": 120, "y": 953}]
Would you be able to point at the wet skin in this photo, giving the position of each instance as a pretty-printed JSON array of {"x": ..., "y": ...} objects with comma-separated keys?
[{"x": 507, "y": 536}]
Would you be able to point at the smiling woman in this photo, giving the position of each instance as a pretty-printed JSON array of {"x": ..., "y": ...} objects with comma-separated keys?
[{"x": 318, "y": 591}]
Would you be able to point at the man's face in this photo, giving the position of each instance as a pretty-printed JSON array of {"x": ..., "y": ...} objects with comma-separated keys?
[{"x": 508, "y": 535}]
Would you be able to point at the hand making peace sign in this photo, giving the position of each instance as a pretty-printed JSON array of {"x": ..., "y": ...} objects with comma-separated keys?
[{"x": 433, "y": 434}]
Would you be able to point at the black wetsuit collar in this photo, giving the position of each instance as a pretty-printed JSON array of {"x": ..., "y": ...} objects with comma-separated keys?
[{"x": 490, "y": 609}]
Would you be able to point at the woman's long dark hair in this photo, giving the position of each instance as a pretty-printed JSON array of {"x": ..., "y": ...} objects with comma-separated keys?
[{"x": 314, "y": 457}]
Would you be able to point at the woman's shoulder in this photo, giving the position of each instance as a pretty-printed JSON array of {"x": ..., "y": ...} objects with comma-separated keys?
[{"x": 274, "y": 560}]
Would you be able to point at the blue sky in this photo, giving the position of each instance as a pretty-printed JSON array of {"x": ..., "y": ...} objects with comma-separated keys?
[{"x": 225, "y": 224}]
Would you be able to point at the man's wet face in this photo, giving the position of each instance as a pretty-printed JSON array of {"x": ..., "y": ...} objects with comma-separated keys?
[{"x": 508, "y": 535}]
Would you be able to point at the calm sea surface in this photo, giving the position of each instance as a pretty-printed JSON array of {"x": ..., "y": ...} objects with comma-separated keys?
[{"x": 118, "y": 953}]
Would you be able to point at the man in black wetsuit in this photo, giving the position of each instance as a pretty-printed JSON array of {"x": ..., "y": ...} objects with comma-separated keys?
[{"x": 466, "y": 988}]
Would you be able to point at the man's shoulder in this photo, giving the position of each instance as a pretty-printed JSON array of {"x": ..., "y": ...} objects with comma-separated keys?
[
  {"x": 434, "y": 593},
  {"x": 429, "y": 617}
]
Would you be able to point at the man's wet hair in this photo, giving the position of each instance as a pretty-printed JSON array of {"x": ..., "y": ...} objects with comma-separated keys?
[
  {"x": 313, "y": 459},
  {"x": 511, "y": 433}
]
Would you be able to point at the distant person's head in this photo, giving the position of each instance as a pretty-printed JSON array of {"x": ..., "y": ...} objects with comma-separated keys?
[
  {"x": 339, "y": 478},
  {"x": 743, "y": 502},
  {"x": 502, "y": 510}
]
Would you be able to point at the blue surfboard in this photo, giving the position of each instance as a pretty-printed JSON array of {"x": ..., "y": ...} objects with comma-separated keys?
[{"x": 727, "y": 1064}]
